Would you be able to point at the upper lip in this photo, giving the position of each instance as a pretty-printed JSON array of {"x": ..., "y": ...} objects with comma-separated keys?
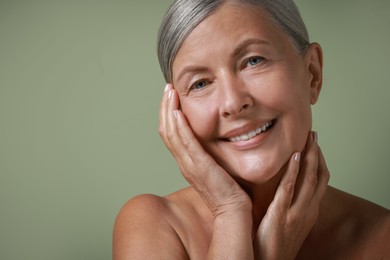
[{"x": 244, "y": 129}]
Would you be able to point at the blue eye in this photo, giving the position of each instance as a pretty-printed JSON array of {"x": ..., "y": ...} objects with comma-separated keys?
[
  {"x": 253, "y": 61},
  {"x": 199, "y": 84}
]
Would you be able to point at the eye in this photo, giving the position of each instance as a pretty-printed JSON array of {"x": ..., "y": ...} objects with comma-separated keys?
[
  {"x": 253, "y": 61},
  {"x": 200, "y": 84}
]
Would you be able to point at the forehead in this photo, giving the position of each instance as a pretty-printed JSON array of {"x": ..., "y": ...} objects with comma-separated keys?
[
  {"x": 234, "y": 16},
  {"x": 227, "y": 27}
]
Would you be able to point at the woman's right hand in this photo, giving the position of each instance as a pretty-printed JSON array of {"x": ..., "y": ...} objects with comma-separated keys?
[
  {"x": 222, "y": 194},
  {"x": 229, "y": 204}
]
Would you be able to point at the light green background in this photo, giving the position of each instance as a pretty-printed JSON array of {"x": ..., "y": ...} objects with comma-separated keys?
[{"x": 80, "y": 88}]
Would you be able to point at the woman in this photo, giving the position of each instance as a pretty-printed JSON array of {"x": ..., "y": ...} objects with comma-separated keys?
[{"x": 236, "y": 116}]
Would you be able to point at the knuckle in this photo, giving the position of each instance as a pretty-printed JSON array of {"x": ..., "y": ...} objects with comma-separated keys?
[
  {"x": 293, "y": 218},
  {"x": 312, "y": 179},
  {"x": 299, "y": 217},
  {"x": 169, "y": 136},
  {"x": 289, "y": 188},
  {"x": 187, "y": 143}
]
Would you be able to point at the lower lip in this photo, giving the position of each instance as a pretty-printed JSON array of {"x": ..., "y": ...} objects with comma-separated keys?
[{"x": 252, "y": 143}]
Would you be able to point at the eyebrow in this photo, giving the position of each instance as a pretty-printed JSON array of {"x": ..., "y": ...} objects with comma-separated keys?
[
  {"x": 240, "y": 47},
  {"x": 193, "y": 69},
  {"x": 248, "y": 42}
]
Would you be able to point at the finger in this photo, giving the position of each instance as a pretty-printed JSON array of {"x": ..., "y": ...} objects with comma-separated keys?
[
  {"x": 285, "y": 191},
  {"x": 169, "y": 124},
  {"x": 163, "y": 103},
  {"x": 323, "y": 176},
  {"x": 172, "y": 135},
  {"x": 213, "y": 183},
  {"x": 185, "y": 147},
  {"x": 163, "y": 112},
  {"x": 168, "y": 130},
  {"x": 188, "y": 140},
  {"x": 172, "y": 138},
  {"x": 196, "y": 154},
  {"x": 308, "y": 177}
]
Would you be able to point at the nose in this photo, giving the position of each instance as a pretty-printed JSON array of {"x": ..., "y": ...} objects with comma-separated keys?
[{"x": 236, "y": 98}]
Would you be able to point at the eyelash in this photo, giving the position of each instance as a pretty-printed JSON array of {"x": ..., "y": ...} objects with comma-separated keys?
[
  {"x": 194, "y": 85},
  {"x": 248, "y": 60},
  {"x": 246, "y": 64}
]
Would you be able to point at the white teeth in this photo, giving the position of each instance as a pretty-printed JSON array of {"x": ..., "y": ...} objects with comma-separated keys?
[
  {"x": 251, "y": 134},
  {"x": 245, "y": 137}
]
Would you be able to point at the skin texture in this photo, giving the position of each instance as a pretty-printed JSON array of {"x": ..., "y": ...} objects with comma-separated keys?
[
  {"x": 239, "y": 97},
  {"x": 264, "y": 198}
]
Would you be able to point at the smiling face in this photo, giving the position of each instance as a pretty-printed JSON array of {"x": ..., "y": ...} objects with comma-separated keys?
[{"x": 246, "y": 91}]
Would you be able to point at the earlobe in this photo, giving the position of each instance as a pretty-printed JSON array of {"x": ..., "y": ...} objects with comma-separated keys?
[{"x": 314, "y": 65}]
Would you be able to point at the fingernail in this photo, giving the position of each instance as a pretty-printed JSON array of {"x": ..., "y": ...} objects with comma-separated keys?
[
  {"x": 175, "y": 113},
  {"x": 170, "y": 94},
  {"x": 297, "y": 157},
  {"x": 166, "y": 87},
  {"x": 315, "y": 137}
]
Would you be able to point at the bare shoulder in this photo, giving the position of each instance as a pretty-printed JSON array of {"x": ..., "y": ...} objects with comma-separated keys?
[
  {"x": 376, "y": 245},
  {"x": 363, "y": 225},
  {"x": 142, "y": 230}
]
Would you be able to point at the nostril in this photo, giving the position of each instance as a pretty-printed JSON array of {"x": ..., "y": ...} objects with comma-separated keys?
[
  {"x": 244, "y": 107},
  {"x": 238, "y": 111},
  {"x": 225, "y": 114}
]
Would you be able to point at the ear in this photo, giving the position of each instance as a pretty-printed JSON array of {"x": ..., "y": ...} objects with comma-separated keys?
[{"x": 313, "y": 57}]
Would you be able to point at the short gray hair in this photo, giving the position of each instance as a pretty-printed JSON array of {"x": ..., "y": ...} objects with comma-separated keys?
[{"x": 184, "y": 15}]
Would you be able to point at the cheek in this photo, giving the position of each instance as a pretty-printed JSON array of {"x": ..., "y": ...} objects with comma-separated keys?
[
  {"x": 291, "y": 93},
  {"x": 280, "y": 93},
  {"x": 289, "y": 97},
  {"x": 298, "y": 122},
  {"x": 201, "y": 117}
]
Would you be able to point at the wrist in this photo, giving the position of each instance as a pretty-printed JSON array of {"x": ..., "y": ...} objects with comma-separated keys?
[
  {"x": 232, "y": 236},
  {"x": 234, "y": 221}
]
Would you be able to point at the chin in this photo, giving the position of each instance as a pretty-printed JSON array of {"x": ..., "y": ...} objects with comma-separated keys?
[{"x": 255, "y": 169}]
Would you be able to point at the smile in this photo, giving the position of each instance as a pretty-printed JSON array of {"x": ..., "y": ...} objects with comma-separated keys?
[{"x": 245, "y": 137}]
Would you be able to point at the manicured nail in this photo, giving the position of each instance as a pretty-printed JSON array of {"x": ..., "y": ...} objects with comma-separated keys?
[
  {"x": 170, "y": 94},
  {"x": 166, "y": 87},
  {"x": 315, "y": 137},
  {"x": 297, "y": 157}
]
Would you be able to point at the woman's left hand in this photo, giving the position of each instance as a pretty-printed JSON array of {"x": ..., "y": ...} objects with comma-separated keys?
[{"x": 295, "y": 207}]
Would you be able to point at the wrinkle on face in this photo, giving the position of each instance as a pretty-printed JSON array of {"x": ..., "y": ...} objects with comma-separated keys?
[{"x": 277, "y": 88}]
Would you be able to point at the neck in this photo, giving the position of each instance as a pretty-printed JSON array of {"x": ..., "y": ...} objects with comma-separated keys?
[{"x": 262, "y": 196}]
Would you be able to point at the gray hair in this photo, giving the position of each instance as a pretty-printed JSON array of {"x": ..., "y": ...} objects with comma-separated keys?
[{"x": 184, "y": 15}]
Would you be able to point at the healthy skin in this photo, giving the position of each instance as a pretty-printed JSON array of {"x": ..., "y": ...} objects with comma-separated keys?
[{"x": 237, "y": 119}]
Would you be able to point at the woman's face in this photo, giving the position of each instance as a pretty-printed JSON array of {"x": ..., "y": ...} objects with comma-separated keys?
[{"x": 246, "y": 91}]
